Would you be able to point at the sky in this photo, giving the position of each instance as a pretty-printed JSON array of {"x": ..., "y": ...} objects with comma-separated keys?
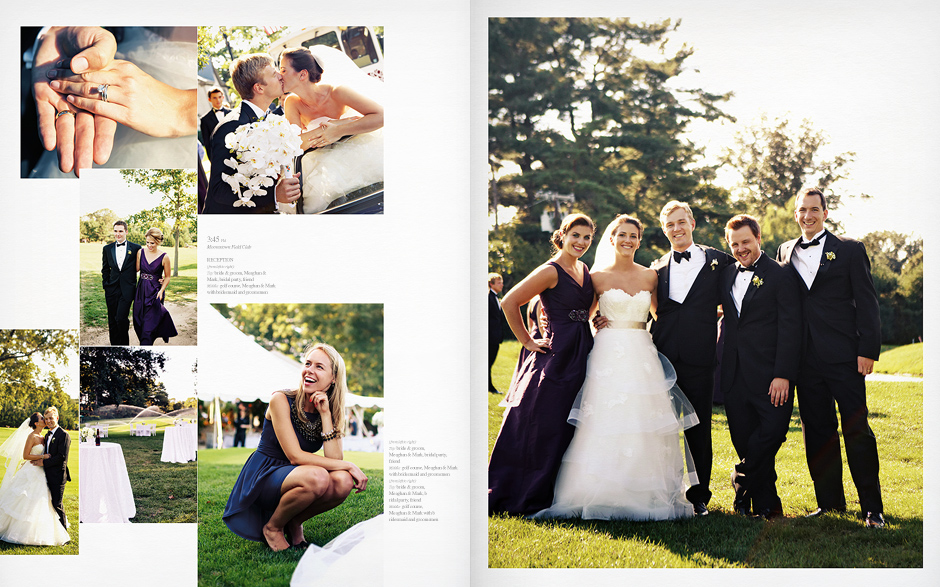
[
  {"x": 177, "y": 375},
  {"x": 864, "y": 74},
  {"x": 105, "y": 188}
]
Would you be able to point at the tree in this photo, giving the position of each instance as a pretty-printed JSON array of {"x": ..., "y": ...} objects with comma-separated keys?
[
  {"x": 898, "y": 273},
  {"x": 588, "y": 107},
  {"x": 118, "y": 375},
  {"x": 97, "y": 226},
  {"x": 775, "y": 161},
  {"x": 222, "y": 45},
  {"x": 356, "y": 331},
  {"x": 27, "y": 385},
  {"x": 178, "y": 187}
]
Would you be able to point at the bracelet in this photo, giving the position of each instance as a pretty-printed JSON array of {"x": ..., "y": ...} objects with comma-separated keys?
[{"x": 334, "y": 434}]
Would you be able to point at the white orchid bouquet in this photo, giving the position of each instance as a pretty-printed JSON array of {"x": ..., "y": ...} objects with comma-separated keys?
[{"x": 260, "y": 150}]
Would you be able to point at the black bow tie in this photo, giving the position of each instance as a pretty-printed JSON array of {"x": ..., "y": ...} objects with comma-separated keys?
[
  {"x": 742, "y": 269},
  {"x": 120, "y": 244},
  {"x": 687, "y": 255},
  {"x": 811, "y": 243}
]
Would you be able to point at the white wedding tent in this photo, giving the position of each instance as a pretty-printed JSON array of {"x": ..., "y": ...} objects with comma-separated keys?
[{"x": 232, "y": 366}]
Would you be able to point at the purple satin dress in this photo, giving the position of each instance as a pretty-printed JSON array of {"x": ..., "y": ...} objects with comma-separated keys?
[
  {"x": 151, "y": 319},
  {"x": 535, "y": 431}
]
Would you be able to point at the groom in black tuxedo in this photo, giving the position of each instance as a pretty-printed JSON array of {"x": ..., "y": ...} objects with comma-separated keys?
[
  {"x": 258, "y": 83},
  {"x": 212, "y": 118},
  {"x": 760, "y": 363},
  {"x": 56, "y": 467},
  {"x": 686, "y": 330},
  {"x": 119, "y": 280},
  {"x": 841, "y": 342}
]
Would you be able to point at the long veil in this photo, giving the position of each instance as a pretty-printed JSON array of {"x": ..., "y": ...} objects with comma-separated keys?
[
  {"x": 339, "y": 70},
  {"x": 604, "y": 255},
  {"x": 11, "y": 451}
]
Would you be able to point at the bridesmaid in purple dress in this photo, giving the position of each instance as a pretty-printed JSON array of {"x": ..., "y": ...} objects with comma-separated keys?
[
  {"x": 535, "y": 430},
  {"x": 151, "y": 319}
]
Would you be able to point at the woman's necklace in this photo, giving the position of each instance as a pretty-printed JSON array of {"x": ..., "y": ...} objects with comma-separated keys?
[{"x": 312, "y": 431}]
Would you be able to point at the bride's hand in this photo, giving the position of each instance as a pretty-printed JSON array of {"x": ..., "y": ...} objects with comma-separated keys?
[
  {"x": 539, "y": 345},
  {"x": 79, "y": 137},
  {"x": 326, "y": 134},
  {"x": 135, "y": 99}
]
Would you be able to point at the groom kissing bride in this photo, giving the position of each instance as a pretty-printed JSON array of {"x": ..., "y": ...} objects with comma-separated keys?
[{"x": 31, "y": 509}]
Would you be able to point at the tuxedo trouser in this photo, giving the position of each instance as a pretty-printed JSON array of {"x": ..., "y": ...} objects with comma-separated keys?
[
  {"x": 758, "y": 429},
  {"x": 56, "y": 491},
  {"x": 494, "y": 352},
  {"x": 698, "y": 384},
  {"x": 819, "y": 388},
  {"x": 119, "y": 324}
]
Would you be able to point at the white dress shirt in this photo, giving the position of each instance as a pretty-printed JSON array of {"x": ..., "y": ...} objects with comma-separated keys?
[
  {"x": 741, "y": 282},
  {"x": 806, "y": 261},
  {"x": 49, "y": 440},
  {"x": 682, "y": 275},
  {"x": 120, "y": 254}
]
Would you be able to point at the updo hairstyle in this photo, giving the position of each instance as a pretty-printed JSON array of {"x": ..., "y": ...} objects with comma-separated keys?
[{"x": 569, "y": 222}]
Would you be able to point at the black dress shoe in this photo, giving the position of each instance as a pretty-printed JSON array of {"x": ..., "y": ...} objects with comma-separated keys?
[
  {"x": 821, "y": 511},
  {"x": 874, "y": 520},
  {"x": 742, "y": 507},
  {"x": 768, "y": 514},
  {"x": 699, "y": 508}
]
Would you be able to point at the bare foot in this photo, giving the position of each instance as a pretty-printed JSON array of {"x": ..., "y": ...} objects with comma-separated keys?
[
  {"x": 296, "y": 532},
  {"x": 275, "y": 538}
]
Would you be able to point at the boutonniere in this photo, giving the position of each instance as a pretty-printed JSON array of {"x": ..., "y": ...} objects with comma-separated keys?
[
  {"x": 831, "y": 256},
  {"x": 757, "y": 281},
  {"x": 128, "y": 252},
  {"x": 714, "y": 264}
]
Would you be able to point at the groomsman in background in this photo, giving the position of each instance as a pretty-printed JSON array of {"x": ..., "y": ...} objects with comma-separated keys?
[
  {"x": 119, "y": 281},
  {"x": 841, "y": 342},
  {"x": 760, "y": 363},
  {"x": 496, "y": 322},
  {"x": 212, "y": 118},
  {"x": 686, "y": 330}
]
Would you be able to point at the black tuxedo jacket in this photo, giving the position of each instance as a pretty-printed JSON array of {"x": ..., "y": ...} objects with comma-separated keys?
[
  {"x": 207, "y": 124},
  {"x": 220, "y": 197},
  {"x": 123, "y": 279},
  {"x": 764, "y": 341},
  {"x": 56, "y": 467},
  {"x": 495, "y": 319},
  {"x": 688, "y": 332},
  {"x": 840, "y": 311}
]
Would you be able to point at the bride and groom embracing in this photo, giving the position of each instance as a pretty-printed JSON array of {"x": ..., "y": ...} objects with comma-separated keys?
[
  {"x": 326, "y": 100},
  {"x": 31, "y": 498},
  {"x": 121, "y": 261},
  {"x": 624, "y": 459}
]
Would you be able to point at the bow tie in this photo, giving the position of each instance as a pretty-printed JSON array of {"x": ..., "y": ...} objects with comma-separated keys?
[
  {"x": 811, "y": 243},
  {"x": 120, "y": 244},
  {"x": 687, "y": 255},
  {"x": 742, "y": 269},
  {"x": 48, "y": 434}
]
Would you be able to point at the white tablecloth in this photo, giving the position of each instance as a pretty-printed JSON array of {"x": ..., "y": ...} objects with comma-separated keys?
[
  {"x": 104, "y": 490},
  {"x": 179, "y": 444}
]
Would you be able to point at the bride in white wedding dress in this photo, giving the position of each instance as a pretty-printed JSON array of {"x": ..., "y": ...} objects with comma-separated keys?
[
  {"x": 26, "y": 513},
  {"x": 626, "y": 459},
  {"x": 332, "y": 99}
]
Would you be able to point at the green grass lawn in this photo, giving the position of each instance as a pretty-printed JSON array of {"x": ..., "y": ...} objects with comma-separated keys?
[
  {"x": 163, "y": 492},
  {"x": 723, "y": 539},
  {"x": 94, "y": 312},
  {"x": 227, "y": 559},
  {"x": 69, "y": 502},
  {"x": 907, "y": 359}
]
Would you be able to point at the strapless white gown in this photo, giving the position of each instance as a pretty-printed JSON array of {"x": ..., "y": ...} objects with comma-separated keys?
[
  {"x": 626, "y": 460},
  {"x": 338, "y": 169},
  {"x": 26, "y": 514}
]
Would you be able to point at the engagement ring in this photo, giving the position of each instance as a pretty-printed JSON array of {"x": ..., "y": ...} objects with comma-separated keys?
[{"x": 103, "y": 91}]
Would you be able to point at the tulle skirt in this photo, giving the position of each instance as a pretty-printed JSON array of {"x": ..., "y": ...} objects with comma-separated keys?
[
  {"x": 627, "y": 459},
  {"x": 341, "y": 168},
  {"x": 26, "y": 513}
]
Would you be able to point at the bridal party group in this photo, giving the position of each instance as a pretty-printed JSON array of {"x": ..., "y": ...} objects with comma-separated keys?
[{"x": 617, "y": 424}]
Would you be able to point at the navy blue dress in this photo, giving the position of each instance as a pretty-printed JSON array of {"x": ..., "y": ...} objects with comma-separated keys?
[{"x": 258, "y": 488}]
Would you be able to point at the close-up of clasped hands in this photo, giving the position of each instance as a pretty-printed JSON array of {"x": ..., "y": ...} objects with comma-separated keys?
[{"x": 84, "y": 92}]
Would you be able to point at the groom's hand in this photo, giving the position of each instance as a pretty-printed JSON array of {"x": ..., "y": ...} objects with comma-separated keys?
[
  {"x": 287, "y": 190},
  {"x": 599, "y": 321},
  {"x": 779, "y": 391},
  {"x": 78, "y": 137}
]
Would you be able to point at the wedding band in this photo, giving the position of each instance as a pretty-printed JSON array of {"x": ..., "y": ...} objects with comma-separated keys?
[
  {"x": 103, "y": 91},
  {"x": 63, "y": 112}
]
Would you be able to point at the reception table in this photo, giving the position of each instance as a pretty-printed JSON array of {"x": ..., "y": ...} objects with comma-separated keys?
[
  {"x": 179, "y": 444},
  {"x": 104, "y": 490}
]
